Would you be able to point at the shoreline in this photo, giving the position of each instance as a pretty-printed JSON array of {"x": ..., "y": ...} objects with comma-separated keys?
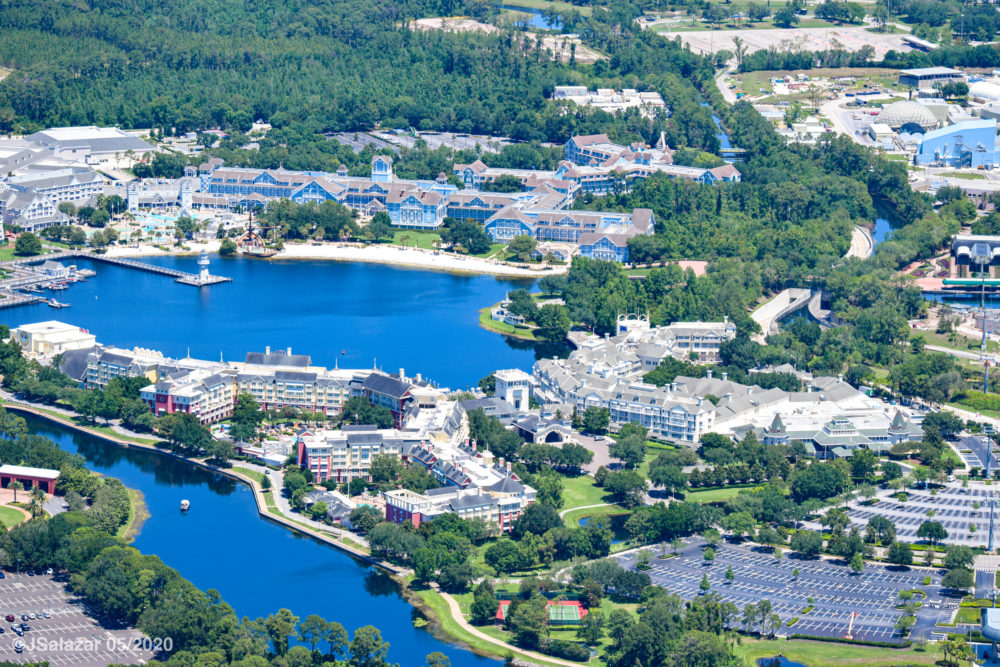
[
  {"x": 439, "y": 625},
  {"x": 386, "y": 254}
]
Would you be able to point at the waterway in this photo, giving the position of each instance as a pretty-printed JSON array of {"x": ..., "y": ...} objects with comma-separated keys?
[
  {"x": 537, "y": 19},
  {"x": 257, "y": 566},
  {"x": 353, "y": 315}
]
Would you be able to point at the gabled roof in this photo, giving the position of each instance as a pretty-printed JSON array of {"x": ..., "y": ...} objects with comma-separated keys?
[{"x": 388, "y": 386}]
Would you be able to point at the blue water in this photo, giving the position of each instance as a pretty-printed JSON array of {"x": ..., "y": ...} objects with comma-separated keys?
[
  {"x": 617, "y": 526},
  {"x": 257, "y": 566},
  {"x": 779, "y": 661},
  {"x": 537, "y": 19},
  {"x": 422, "y": 321},
  {"x": 882, "y": 230}
]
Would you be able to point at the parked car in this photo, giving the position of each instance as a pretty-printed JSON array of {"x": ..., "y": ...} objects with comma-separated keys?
[
  {"x": 25, "y": 627},
  {"x": 9, "y": 618},
  {"x": 19, "y": 647},
  {"x": 48, "y": 571}
]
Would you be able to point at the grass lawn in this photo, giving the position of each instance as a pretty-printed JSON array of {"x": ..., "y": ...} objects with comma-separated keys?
[
  {"x": 10, "y": 517},
  {"x": 581, "y": 491},
  {"x": 572, "y": 518},
  {"x": 137, "y": 514},
  {"x": 545, "y": 4},
  {"x": 963, "y": 343},
  {"x": 488, "y": 323},
  {"x": 826, "y": 654},
  {"x": 495, "y": 249},
  {"x": 416, "y": 239},
  {"x": 715, "y": 495},
  {"x": 252, "y": 474},
  {"x": 7, "y": 252},
  {"x": 969, "y": 176},
  {"x": 968, "y": 615},
  {"x": 440, "y": 609}
]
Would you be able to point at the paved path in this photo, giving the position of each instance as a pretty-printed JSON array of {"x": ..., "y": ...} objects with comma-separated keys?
[
  {"x": 456, "y": 613},
  {"x": 862, "y": 245},
  {"x": 582, "y": 507}
]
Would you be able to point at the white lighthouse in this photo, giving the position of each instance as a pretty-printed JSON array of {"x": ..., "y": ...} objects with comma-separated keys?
[{"x": 203, "y": 274}]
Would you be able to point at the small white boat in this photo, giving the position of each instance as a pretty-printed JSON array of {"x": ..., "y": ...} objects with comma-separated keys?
[{"x": 185, "y": 504}]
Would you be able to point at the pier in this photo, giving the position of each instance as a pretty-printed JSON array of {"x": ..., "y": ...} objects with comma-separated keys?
[
  {"x": 183, "y": 277},
  {"x": 25, "y": 279}
]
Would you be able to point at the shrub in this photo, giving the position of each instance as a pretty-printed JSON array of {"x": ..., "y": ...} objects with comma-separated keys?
[
  {"x": 561, "y": 648},
  {"x": 862, "y": 642}
]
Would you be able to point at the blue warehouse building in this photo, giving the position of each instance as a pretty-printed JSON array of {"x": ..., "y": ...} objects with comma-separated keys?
[{"x": 971, "y": 143}]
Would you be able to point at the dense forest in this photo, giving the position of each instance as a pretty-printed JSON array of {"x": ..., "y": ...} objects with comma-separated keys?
[{"x": 323, "y": 66}]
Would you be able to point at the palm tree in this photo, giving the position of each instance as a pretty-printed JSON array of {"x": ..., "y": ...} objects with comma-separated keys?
[
  {"x": 37, "y": 501},
  {"x": 16, "y": 486}
]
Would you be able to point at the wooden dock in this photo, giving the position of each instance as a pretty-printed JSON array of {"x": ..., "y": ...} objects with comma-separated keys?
[{"x": 182, "y": 277}]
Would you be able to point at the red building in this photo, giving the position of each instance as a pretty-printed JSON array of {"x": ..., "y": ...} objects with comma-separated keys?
[{"x": 29, "y": 477}]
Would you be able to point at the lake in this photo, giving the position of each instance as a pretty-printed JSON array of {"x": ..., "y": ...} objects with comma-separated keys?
[
  {"x": 257, "y": 566},
  {"x": 354, "y": 315}
]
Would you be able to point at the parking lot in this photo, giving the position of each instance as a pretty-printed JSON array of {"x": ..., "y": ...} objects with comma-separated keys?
[
  {"x": 981, "y": 448},
  {"x": 70, "y": 637},
  {"x": 836, "y": 593},
  {"x": 955, "y": 507}
]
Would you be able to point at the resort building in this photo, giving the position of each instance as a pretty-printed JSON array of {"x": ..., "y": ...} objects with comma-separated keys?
[
  {"x": 599, "y": 234},
  {"x": 840, "y": 436},
  {"x": 207, "y": 395},
  {"x": 608, "y": 373},
  {"x": 47, "y": 339},
  {"x": 29, "y": 478},
  {"x": 348, "y": 453},
  {"x": 499, "y": 504},
  {"x": 514, "y": 387},
  {"x": 279, "y": 379}
]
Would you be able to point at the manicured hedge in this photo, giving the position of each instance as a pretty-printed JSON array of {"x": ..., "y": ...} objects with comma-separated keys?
[
  {"x": 862, "y": 642},
  {"x": 561, "y": 648}
]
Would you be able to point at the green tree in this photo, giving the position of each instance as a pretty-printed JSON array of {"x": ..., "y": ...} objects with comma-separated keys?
[
  {"x": 857, "y": 563},
  {"x": 367, "y": 648},
  {"x": 932, "y": 531},
  {"x": 312, "y": 630},
  {"x": 596, "y": 420},
  {"x": 438, "y": 659},
  {"x": 521, "y": 247},
  {"x": 27, "y": 244},
  {"x": 227, "y": 248},
  {"x": 553, "y": 322},
  {"x": 380, "y": 226},
  {"x": 280, "y": 626},
  {"x": 900, "y": 554},
  {"x": 704, "y": 584},
  {"x": 484, "y": 604}
]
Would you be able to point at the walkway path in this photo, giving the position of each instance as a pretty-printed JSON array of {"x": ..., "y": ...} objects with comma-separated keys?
[
  {"x": 862, "y": 245},
  {"x": 582, "y": 507},
  {"x": 456, "y": 613}
]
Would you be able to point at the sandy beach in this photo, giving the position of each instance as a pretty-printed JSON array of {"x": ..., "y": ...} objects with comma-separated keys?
[{"x": 374, "y": 254}]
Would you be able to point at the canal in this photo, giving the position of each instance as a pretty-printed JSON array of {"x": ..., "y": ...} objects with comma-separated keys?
[
  {"x": 349, "y": 314},
  {"x": 257, "y": 566}
]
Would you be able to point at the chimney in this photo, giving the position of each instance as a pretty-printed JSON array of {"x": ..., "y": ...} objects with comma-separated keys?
[
  {"x": 267, "y": 349},
  {"x": 725, "y": 376},
  {"x": 419, "y": 378},
  {"x": 402, "y": 373},
  {"x": 289, "y": 352},
  {"x": 840, "y": 377}
]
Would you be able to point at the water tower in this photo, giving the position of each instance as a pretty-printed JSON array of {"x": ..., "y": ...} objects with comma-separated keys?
[{"x": 203, "y": 274}]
